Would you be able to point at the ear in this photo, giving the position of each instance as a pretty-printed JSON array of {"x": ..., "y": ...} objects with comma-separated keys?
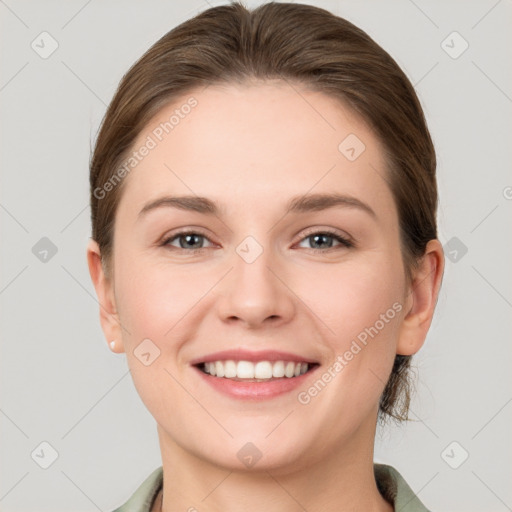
[
  {"x": 109, "y": 318},
  {"x": 421, "y": 300}
]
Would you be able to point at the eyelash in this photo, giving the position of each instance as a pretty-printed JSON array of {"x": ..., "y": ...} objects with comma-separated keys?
[{"x": 344, "y": 242}]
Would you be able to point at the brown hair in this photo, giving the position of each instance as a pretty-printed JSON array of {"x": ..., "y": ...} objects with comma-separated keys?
[{"x": 298, "y": 43}]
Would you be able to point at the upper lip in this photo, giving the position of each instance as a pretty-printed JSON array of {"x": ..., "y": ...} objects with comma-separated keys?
[{"x": 249, "y": 355}]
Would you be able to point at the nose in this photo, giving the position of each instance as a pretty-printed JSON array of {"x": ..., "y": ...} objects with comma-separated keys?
[{"x": 256, "y": 293}]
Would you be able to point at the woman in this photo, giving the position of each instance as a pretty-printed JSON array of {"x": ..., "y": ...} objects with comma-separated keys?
[{"x": 265, "y": 252}]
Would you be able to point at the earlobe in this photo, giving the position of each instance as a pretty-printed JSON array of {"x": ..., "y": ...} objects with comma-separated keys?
[
  {"x": 422, "y": 298},
  {"x": 109, "y": 318}
]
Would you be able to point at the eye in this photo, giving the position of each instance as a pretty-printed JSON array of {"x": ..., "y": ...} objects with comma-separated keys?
[
  {"x": 323, "y": 240},
  {"x": 193, "y": 241},
  {"x": 186, "y": 240}
]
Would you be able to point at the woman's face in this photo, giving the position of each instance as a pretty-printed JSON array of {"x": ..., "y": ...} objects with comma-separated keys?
[{"x": 281, "y": 271}]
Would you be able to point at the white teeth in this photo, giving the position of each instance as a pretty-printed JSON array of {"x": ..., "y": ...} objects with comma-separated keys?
[
  {"x": 289, "y": 369},
  {"x": 219, "y": 369},
  {"x": 261, "y": 370},
  {"x": 278, "y": 369},
  {"x": 244, "y": 369},
  {"x": 229, "y": 369}
]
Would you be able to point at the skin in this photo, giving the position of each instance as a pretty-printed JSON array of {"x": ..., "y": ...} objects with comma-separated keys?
[{"x": 250, "y": 148}]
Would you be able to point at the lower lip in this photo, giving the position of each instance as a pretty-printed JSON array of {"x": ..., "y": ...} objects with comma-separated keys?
[{"x": 255, "y": 390}]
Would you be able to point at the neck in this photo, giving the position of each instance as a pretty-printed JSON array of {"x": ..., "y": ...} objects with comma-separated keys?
[{"x": 341, "y": 481}]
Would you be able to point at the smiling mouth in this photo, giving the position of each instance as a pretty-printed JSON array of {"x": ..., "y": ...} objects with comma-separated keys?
[{"x": 260, "y": 371}]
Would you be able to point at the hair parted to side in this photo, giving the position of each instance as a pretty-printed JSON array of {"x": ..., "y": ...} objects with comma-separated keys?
[{"x": 304, "y": 45}]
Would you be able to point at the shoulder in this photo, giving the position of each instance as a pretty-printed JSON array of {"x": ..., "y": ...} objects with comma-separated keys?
[
  {"x": 395, "y": 489},
  {"x": 142, "y": 499}
]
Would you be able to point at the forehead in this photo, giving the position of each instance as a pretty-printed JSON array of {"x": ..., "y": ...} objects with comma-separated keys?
[{"x": 246, "y": 140}]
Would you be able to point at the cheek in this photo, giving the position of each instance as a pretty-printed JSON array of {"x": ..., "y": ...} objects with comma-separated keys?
[
  {"x": 359, "y": 306},
  {"x": 157, "y": 303},
  {"x": 349, "y": 297},
  {"x": 153, "y": 297}
]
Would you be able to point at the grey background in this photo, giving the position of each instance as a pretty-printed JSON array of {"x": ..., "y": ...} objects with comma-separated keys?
[{"x": 60, "y": 384}]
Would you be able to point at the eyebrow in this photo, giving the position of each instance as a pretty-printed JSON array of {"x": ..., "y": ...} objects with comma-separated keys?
[{"x": 299, "y": 204}]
